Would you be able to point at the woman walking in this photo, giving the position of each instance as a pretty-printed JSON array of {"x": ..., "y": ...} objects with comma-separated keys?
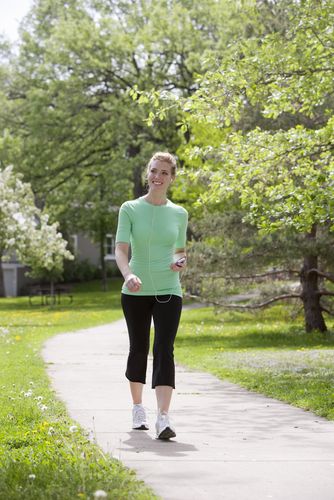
[{"x": 156, "y": 229}]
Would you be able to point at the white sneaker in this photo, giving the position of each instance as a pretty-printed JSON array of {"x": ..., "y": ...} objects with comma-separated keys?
[
  {"x": 163, "y": 427},
  {"x": 139, "y": 418}
]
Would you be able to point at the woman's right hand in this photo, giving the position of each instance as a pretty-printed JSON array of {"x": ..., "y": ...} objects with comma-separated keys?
[{"x": 133, "y": 283}]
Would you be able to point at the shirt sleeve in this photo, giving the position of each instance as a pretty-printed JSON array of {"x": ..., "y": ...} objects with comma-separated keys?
[
  {"x": 124, "y": 226},
  {"x": 182, "y": 236}
]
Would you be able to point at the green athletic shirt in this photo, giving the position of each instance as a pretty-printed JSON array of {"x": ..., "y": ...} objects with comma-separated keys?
[{"x": 154, "y": 232}]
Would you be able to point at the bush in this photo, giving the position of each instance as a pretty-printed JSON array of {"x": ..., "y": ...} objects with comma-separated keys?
[{"x": 80, "y": 270}]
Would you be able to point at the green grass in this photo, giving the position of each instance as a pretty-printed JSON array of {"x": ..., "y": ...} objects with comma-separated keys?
[
  {"x": 266, "y": 351},
  {"x": 43, "y": 453}
]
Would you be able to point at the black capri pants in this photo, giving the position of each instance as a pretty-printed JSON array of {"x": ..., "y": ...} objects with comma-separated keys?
[{"x": 139, "y": 311}]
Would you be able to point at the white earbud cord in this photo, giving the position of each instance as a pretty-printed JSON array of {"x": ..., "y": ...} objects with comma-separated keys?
[{"x": 149, "y": 262}]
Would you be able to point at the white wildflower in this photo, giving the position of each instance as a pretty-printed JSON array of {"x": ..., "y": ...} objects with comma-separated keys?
[
  {"x": 73, "y": 428},
  {"x": 100, "y": 494},
  {"x": 32, "y": 476}
]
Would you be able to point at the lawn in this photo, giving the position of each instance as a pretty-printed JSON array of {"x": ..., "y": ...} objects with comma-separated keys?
[
  {"x": 266, "y": 351},
  {"x": 43, "y": 453}
]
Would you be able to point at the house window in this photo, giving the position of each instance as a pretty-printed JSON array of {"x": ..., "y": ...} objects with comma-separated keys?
[{"x": 110, "y": 244}]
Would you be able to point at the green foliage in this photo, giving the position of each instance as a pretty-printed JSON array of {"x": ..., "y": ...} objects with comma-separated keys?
[
  {"x": 81, "y": 271},
  {"x": 277, "y": 164},
  {"x": 69, "y": 92},
  {"x": 69, "y": 117},
  {"x": 84, "y": 271},
  {"x": 269, "y": 101},
  {"x": 241, "y": 89}
]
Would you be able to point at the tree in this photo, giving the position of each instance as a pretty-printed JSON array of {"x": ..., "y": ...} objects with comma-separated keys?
[
  {"x": 27, "y": 232},
  {"x": 93, "y": 208},
  {"x": 67, "y": 103},
  {"x": 281, "y": 169}
]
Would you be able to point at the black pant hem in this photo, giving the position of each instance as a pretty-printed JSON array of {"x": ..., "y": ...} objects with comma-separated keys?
[
  {"x": 137, "y": 381},
  {"x": 157, "y": 385}
]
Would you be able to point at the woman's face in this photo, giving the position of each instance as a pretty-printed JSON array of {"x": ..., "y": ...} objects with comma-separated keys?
[{"x": 159, "y": 176}]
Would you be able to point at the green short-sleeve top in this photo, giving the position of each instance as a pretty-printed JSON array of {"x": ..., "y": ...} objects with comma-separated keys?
[{"x": 154, "y": 233}]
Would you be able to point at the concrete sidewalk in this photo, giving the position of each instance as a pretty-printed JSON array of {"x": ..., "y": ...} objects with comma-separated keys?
[{"x": 231, "y": 444}]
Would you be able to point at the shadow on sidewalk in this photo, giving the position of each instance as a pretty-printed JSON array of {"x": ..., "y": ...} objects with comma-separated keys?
[{"x": 141, "y": 442}]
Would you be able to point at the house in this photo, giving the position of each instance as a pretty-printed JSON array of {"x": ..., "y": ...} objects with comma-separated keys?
[
  {"x": 84, "y": 249},
  {"x": 15, "y": 273},
  {"x": 15, "y": 279}
]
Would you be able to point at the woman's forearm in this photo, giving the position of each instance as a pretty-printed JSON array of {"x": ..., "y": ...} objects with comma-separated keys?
[
  {"x": 122, "y": 261},
  {"x": 132, "y": 282}
]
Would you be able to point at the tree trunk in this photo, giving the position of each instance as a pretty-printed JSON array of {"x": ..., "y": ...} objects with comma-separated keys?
[
  {"x": 310, "y": 291},
  {"x": 138, "y": 187},
  {"x": 2, "y": 281},
  {"x": 103, "y": 262},
  {"x": 102, "y": 238},
  {"x": 52, "y": 293}
]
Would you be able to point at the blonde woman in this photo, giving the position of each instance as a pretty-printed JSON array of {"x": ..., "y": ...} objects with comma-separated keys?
[{"x": 156, "y": 229}]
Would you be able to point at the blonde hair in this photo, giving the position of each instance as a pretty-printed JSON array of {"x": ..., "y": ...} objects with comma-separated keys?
[{"x": 165, "y": 157}]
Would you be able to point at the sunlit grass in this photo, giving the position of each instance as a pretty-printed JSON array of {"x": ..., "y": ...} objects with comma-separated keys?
[
  {"x": 43, "y": 454},
  {"x": 266, "y": 351}
]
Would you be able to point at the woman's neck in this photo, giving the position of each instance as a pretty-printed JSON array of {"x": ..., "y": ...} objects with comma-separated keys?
[{"x": 155, "y": 200}]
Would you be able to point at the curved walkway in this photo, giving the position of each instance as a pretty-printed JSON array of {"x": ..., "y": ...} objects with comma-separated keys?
[{"x": 231, "y": 444}]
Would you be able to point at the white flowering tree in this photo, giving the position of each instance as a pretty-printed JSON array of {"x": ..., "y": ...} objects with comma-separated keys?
[{"x": 25, "y": 230}]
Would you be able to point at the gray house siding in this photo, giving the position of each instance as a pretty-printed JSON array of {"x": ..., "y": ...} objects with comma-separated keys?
[
  {"x": 83, "y": 249},
  {"x": 15, "y": 278},
  {"x": 16, "y": 281}
]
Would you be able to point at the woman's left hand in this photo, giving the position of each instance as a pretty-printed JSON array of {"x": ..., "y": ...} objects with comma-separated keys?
[{"x": 179, "y": 265}]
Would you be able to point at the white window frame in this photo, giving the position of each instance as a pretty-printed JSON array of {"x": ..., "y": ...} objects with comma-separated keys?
[{"x": 110, "y": 245}]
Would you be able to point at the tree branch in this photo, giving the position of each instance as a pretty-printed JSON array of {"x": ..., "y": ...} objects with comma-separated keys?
[
  {"x": 134, "y": 60},
  {"x": 247, "y": 306},
  {"x": 325, "y": 45},
  {"x": 320, "y": 149},
  {"x": 331, "y": 313},
  {"x": 325, "y": 292},
  {"x": 255, "y": 276},
  {"x": 328, "y": 276},
  {"x": 289, "y": 74}
]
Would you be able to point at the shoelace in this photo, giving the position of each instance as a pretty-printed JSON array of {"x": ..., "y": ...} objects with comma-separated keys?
[
  {"x": 139, "y": 414},
  {"x": 163, "y": 418}
]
